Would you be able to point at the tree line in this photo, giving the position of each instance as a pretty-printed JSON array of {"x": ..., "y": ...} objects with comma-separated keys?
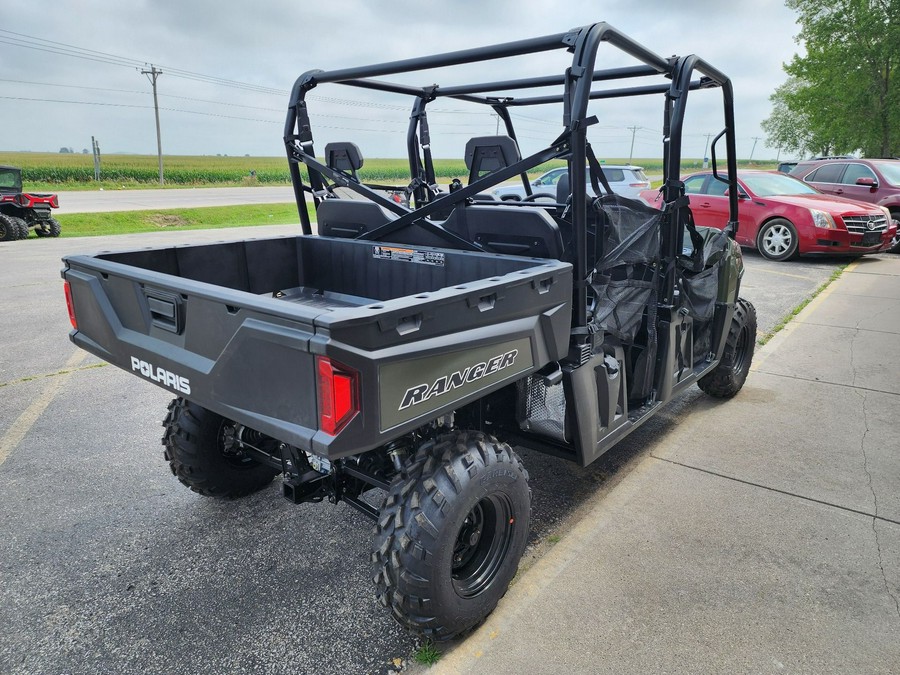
[{"x": 842, "y": 95}]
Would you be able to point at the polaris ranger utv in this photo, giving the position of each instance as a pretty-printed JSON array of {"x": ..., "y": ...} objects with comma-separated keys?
[
  {"x": 20, "y": 211},
  {"x": 393, "y": 360}
]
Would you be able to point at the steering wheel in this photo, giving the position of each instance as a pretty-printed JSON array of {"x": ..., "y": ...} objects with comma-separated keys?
[{"x": 539, "y": 195}]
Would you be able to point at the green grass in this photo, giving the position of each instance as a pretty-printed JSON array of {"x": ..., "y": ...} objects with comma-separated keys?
[
  {"x": 427, "y": 654},
  {"x": 799, "y": 308},
  {"x": 129, "y": 222}
]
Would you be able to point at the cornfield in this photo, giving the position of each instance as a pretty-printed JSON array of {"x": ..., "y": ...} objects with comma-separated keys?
[{"x": 71, "y": 168}]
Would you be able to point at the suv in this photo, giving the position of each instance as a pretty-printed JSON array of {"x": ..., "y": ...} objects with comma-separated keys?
[
  {"x": 866, "y": 180},
  {"x": 22, "y": 210},
  {"x": 624, "y": 179}
]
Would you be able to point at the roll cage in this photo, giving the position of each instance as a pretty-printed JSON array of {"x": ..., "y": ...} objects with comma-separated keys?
[{"x": 578, "y": 89}]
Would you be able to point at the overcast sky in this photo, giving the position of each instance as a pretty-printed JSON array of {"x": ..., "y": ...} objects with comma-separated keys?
[{"x": 49, "y": 99}]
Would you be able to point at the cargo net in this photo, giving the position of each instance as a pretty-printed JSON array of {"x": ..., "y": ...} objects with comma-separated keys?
[
  {"x": 700, "y": 289},
  {"x": 624, "y": 278},
  {"x": 542, "y": 408}
]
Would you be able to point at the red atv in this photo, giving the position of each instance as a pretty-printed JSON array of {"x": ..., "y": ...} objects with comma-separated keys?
[{"x": 20, "y": 211}]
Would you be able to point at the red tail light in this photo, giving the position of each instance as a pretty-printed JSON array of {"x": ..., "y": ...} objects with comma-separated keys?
[
  {"x": 70, "y": 306},
  {"x": 338, "y": 395}
]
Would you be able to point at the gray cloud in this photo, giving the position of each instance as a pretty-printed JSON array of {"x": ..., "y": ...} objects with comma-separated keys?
[{"x": 270, "y": 43}]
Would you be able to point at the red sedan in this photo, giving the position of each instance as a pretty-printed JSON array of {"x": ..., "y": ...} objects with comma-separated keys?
[{"x": 783, "y": 217}]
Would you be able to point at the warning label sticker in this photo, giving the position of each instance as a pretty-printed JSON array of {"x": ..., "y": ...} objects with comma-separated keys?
[{"x": 408, "y": 255}]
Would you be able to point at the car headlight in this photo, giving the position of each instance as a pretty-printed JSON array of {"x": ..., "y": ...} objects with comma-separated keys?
[{"x": 822, "y": 219}]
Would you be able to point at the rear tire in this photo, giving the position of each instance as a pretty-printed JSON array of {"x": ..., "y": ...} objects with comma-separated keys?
[
  {"x": 48, "y": 228},
  {"x": 23, "y": 227},
  {"x": 450, "y": 533},
  {"x": 777, "y": 240},
  {"x": 203, "y": 455},
  {"x": 9, "y": 230},
  {"x": 729, "y": 376}
]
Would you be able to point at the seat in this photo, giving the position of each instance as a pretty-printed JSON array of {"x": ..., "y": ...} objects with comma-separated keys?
[
  {"x": 529, "y": 232},
  {"x": 350, "y": 218},
  {"x": 344, "y": 156},
  {"x": 486, "y": 154}
]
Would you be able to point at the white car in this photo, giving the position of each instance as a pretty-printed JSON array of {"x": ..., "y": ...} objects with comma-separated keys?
[{"x": 624, "y": 179}]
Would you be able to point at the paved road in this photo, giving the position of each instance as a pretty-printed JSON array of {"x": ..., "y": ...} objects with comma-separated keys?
[
  {"x": 139, "y": 200},
  {"x": 110, "y": 565}
]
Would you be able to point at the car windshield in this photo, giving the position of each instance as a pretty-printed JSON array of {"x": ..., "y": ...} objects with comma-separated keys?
[
  {"x": 774, "y": 184},
  {"x": 10, "y": 178},
  {"x": 890, "y": 171}
]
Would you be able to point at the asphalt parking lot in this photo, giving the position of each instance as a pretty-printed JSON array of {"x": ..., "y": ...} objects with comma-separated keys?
[{"x": 109, "y": 565}]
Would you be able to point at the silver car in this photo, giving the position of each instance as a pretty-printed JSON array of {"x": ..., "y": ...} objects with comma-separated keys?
[{"x": 624, "y": 179}]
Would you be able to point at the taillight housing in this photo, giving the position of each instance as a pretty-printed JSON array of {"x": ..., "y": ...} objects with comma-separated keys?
[
  {"x": 338, "y": 388},
  {"x": 69, "y": 305}
]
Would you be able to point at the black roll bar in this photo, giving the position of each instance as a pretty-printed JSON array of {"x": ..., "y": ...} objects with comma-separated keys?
[{"x": 577, "y": 92}]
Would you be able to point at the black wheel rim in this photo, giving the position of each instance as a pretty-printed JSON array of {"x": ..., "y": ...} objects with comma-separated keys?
[{"x": 482, "y": 544}]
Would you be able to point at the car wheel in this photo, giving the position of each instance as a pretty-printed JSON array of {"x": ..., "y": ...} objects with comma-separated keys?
[
  {"x": 895, "y": 242},
  {"x": 777, "y": 240}
]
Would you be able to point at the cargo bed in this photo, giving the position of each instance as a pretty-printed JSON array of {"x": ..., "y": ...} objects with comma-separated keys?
[{"x": 236, "y": 327}]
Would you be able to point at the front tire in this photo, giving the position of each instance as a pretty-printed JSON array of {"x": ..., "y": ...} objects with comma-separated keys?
[
  {"x": 729, "y": 376},
  {"x": 777, "y": 240},
  {"x": 450, "y": 533},
  {"x": 203, "y": 454}
]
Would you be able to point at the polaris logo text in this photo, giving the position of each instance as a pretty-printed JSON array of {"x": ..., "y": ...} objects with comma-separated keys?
[
  {"x": 161, "y": 375},
  {"x": 445, "y": 383}
]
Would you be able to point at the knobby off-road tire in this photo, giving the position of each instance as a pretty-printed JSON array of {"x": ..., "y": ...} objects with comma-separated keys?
[
  {"x": 23, "y": 227},
  {"x": 450, "y": 533},
  {"x": 48, "y": 228},
  {"x": 9, "y": 231},
  {"x": 201, "y": 452},
  {"x": 731, "y": 373}
]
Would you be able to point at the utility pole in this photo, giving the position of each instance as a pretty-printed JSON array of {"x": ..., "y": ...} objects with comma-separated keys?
[
  {"x": 152, "y": 74},
  {"x": 755, "y": 138},
  {"x": 95, "y": 146},
  {"x": 633, "y": 132},
  {"x": 705, "y": 148}
]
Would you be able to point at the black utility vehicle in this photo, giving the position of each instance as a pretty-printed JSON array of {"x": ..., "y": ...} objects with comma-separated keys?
[
  {"x": 398, "y": 356},
  {"x": 20, "y": 211}
]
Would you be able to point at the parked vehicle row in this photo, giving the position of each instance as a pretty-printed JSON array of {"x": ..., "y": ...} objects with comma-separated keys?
[
  {"x": 625, "y": 180},
  {"x": 783, "y": 217}
]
